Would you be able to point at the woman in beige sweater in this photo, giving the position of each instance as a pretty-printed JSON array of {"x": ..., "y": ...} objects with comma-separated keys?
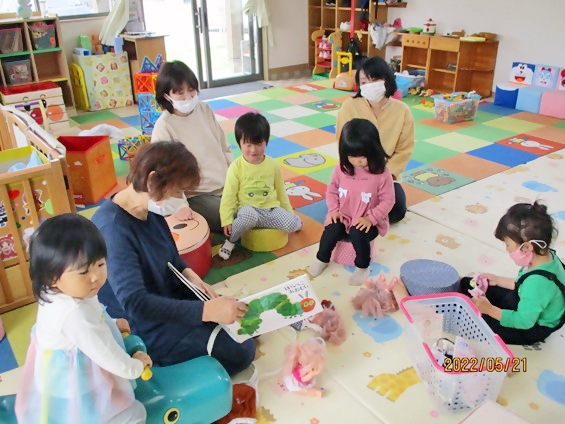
[
  {"x": 373, "y": 101},
  {"x": 192, "y": 122}
]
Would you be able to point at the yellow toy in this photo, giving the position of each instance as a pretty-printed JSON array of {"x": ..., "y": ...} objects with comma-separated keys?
[{"x": 346, "y": 80}]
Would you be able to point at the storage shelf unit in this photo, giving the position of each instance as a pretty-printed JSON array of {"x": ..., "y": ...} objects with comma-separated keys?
[
  {"x": 329, "y": 17},
  {"x": 46, "y": 64},
  {"x": 451, "y": 64}
]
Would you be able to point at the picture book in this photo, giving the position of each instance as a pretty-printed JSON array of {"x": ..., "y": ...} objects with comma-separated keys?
[{"x": 269, "y": 310}]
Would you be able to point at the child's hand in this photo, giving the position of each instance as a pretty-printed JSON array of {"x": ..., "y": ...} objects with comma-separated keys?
[
  {"x": 123, "y": 325},
  {"x": 491, "y": 278},
  {"x": 223, "y": 310},
  {"x": 184, "y": 214},
  {"x": 335, "y": 217},
  {"x": 227, "y": 230},
  {"x": 144, "y": 358},
  {"x": 363, "y": 224},
  {"x": 483, "y": 304}
]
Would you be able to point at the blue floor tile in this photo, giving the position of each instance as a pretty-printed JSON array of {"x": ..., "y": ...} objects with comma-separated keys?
[
  {"x": 221, "y": 104},
  {"x": 278, "y": 147},
  {"x": 503, "y": 155},
  {"x": 413, "y": 164},
  {"x": 7, "y": 360},
  {"x": 329, "y": 128},
  {"x": 499, "y": 110},
  {"x": 317, "y": 211},
  {"x": 134, "y": 121}
]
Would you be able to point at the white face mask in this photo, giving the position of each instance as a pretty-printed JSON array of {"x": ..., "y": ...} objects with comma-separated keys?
[
  {"x": 168, "y": 206},
  {"x": 373, "y": 91},
  {"x": 184, "y": 106}
]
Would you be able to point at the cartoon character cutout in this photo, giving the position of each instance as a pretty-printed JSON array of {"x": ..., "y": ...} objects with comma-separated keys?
[
  {"x": 295, "y": 189},
  {"x": 524, "y": 142},
  {"x": 306, "y": 160},
  {"x": 545, "y": 76},
  {"x": 522, "y": 73},
  {"x": 561, "y": 82},
  {"x": 39, "y": 204},
  {"x": 3, "y": 215},
  {"x": 431, "y": 177},
  {"x": 7, "y": 247}
]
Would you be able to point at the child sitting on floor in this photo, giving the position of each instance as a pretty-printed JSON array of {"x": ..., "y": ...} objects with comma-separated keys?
[
  {"x": 254, "y": 195},
  {"x": 76, "y": 369},
  {"x": 526, "y": 310},
  {"x": 359, "y": 196}
]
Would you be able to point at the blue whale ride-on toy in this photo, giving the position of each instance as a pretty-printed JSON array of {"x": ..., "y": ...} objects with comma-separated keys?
[{"x": 198, "y": 391}]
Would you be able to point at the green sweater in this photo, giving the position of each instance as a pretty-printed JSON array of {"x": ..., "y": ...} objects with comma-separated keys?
[
  {"x": 541, "y": 301},
  {"x": 261, "y": 186}
]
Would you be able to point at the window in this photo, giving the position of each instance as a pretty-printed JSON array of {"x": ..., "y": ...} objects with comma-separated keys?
[{"x": 62, "y": 8}]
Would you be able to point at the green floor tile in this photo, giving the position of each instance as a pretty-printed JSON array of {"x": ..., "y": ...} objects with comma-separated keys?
[
  {"x": 323, "y": 175},
  {"x": 512, "y": 124},
  {"x": 317, "y": 121},
  {"x": 481, "y": 117},
  {"x": 275, "y": 93},
  {"x": 560, "y": 124},
  {"x": 487, "y": 133},
  {"x": 329, "y": 93},
  {"x": 273, "y": 119},
  {"x": 88, "y": 118},
  {"x": 268, "y": 105},
  {"x": 121, "y": 166},
  {"x": 420, "y": 114},
  {"x": 423, "y": 132},
  {"x": 215, "y": 275},
  {"x": 428, "y": 153}
]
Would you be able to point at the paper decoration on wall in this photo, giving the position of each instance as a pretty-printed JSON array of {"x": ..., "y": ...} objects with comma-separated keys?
[
  {"x": 561, "y": 79},
  {"x": 545, "y": 76},
  {"x": 522, "y": 73}
]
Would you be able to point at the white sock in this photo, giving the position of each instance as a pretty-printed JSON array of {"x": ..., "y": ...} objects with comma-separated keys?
[
  {"x": 317, "y": 267},
  {"x": 359, "y": 276},
  {"x": 226, "y": 249}
]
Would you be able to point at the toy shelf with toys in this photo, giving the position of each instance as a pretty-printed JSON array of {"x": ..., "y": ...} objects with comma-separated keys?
[
  {"x": 31, "y": 52},
  {"x": 328, "y": 15}
]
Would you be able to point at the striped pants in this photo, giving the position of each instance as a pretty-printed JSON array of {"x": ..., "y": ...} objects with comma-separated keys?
[{"x": 249, "y": 217}]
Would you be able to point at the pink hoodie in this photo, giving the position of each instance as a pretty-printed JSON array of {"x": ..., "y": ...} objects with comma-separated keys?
[{"x": 364, "y": 194}]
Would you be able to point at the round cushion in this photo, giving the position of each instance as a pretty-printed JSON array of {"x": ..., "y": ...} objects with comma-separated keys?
[
  {"x": 192, "y": 239},
  {"x": 424, "y": 276},
  {"x": 264, "y": 239}
]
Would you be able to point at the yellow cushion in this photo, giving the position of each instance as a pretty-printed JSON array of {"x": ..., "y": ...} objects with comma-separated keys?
[{"x": 264, "y": 239}]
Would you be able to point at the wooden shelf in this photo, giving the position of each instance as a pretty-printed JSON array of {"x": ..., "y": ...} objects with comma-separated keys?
[
  {"x": 446, "y": 71},
  {"x": 55, "y": 49},
  {"x": 416, "y": 66},
  {"x": 6, "y": 55}
]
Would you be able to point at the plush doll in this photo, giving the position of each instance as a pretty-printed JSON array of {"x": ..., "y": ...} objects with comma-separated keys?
[
  {"x": 24, "y": 9},
  {"x": 303, "y": 361},
  {"x": 376, "y": 297},
  {"x": 327, "y": 323},
  {"x": 479, "y": 284}
]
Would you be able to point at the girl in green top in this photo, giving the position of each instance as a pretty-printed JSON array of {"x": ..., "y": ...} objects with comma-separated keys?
[{"x": 526, "y": 310}]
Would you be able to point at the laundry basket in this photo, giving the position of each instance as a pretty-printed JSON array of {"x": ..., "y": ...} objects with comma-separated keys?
[{"x": 431, "y": 317}]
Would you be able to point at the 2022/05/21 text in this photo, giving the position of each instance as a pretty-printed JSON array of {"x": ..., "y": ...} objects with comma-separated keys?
[{"x": 489, "y": 364}]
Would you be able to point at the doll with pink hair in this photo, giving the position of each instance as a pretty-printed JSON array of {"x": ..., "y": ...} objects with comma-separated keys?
[
  {"x": 328, "y": 323},
  {"x": 376, "y": 298},
  {"x": 303, "y": 361}
]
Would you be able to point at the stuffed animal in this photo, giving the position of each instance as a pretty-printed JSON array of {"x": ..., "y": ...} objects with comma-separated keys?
[
  {"x": 303, "y": 361},
  {"x": 376, "y": 297},
  {"x": 480, "y": 286}
]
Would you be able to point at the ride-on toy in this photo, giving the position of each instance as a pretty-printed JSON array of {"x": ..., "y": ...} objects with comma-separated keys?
[{"x": 345, "y": 80}]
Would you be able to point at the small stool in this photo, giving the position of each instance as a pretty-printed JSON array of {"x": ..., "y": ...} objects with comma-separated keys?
[
  {"x": 424, "y": 276},
  {"x": 553, "y": 104},
  {"x": 529, "y": 99},
  {"x": 506, "y": 95},
  {"x": 264, "y": 239},
  {"x": 192, "y": 238},
  {"x": 344, "y": 253}
]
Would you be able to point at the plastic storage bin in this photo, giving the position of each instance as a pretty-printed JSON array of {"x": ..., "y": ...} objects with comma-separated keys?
[
  {"x": 43, "y": 36},
  {"x": 450, "y": 111},
  {"x": 405, "y": 82},
  {"x": 91, "y": 167},
  {"x": 11, "y": 40},
  {"x": 17, "y": 71},
  {"x": 432, "y": 317}
]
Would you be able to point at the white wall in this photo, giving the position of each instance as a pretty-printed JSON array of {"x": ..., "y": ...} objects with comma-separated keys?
[
  {"x": 73, "y": 28},
  {"x": 289, "y": 20},
  {"x": 528, "y": 31}
]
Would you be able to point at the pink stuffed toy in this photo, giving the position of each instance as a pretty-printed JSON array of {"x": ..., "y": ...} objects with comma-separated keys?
[
  {"x": 376, "y": 298},
  {"x": 480, "y": 286}
]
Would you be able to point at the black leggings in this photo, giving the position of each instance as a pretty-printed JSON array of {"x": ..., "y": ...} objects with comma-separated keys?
[
  {"x": 508, "y": 299},
  {"x": 360, "y": 239}
]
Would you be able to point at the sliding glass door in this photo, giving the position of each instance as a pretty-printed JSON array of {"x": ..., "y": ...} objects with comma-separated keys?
[{"x": 220, "y": 43}]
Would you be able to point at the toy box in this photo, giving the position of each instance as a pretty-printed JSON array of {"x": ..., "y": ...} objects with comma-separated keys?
[
  {"x": 412, "y": 80},
  {"x": 11, "y": 40},
  {"x": 42, "y": 36},
  {"x": 17, "y": 71},
  {"x": 460, "y": 383},
  {"x": 91, "y": 167},
  {"x": 456, "y": 107}
]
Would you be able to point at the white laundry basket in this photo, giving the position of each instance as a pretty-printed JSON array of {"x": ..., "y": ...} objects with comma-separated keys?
[{"x": 450, "y": 315}]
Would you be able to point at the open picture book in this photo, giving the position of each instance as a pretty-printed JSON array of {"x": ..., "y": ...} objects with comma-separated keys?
[{"x": 269, "y": 310}]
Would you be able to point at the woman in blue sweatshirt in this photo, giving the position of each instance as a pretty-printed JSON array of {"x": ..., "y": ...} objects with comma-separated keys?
[{"x": 161, "y": 310}]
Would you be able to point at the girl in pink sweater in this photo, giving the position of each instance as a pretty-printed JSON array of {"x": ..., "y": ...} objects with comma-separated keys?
[{"x": 359, "y": 196}]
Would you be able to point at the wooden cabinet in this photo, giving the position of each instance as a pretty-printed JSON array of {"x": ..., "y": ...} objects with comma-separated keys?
[
  {"x": 328, "y": 17},
  {"x": 45, "y": 59},
  {"x": 451, "y": 64}
]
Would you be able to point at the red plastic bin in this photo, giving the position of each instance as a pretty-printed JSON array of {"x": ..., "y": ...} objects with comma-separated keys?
[{"x": 91, "y": 167}]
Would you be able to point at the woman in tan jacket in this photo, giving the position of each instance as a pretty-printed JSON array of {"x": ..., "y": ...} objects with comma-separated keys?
[{"x": 373, "y": 101}]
